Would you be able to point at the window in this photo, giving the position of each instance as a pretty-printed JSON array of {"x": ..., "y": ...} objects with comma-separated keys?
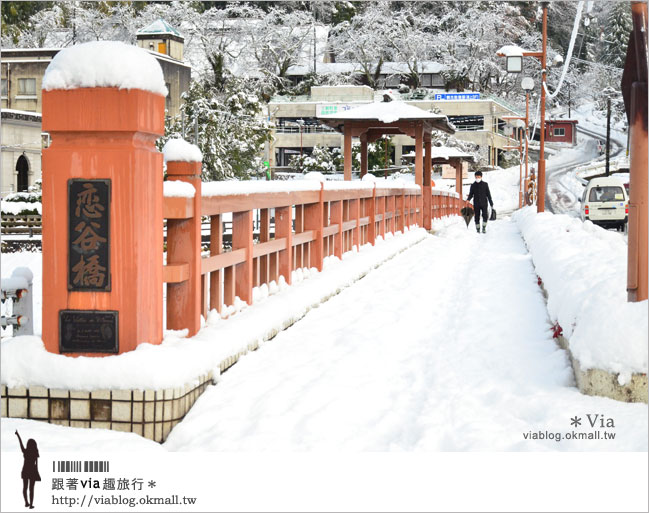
[
  {"x": 606, "y": 193},
  {"x": 4, "y": 87},
  {"x": 27, "y": 86},
  {"x": 560, "y": 132}
]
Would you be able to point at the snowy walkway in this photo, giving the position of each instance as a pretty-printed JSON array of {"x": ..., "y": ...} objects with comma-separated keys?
[{"x": 463, "y": 361}]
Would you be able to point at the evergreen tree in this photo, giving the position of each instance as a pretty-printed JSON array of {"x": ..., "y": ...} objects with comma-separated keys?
[
  {"x": 616, "y": 34},
  {"x": 231, "y": 129}
]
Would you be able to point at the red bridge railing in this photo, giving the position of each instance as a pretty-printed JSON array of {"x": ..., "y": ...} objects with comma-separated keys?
[{"x": 296, "y": 229}]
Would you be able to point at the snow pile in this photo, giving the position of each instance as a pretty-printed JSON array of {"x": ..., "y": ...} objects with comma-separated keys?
[
  {"x": 179, "y": 150},
  {"x": 104, "y": 64},
  {"x": 16, "y": 207},
  {"x": 178, "y": 360},
  {"x": 583, "y": 268},
  {"x": 178, "y": 189}
]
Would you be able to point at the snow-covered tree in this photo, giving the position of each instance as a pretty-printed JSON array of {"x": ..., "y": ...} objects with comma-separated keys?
[
  {"x": 231, "y": 129},
  {"x": 322, "y": 159},
  {"x": 616, "y": 34},
  {"x": 362, "y": 40},
  {"x": 277, "y": 41}
]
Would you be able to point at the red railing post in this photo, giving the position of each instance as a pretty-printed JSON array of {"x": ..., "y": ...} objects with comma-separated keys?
[
  {"x": 401, "y": 204},
  {"x": 216, "y": 248},
  {"x": 371, "y": 227},
  {"x": 313, "y": 221},
  {"x": 184, "y": 246},
  {"x": 242, "y": 239},
  {"x": 284, "y": 230},
  {"x": 427, "y": 206},
  {"x": 264, "y": 236},
  {"x": 355, "y": 213},
  {"x": 336, "y": 212}
]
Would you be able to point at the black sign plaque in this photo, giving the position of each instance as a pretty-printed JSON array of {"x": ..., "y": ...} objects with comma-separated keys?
[
  {"x": 88, "y": 235},
  {"x": 88, "y": 331}
]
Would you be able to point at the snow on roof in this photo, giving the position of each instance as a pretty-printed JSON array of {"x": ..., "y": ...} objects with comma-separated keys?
[
  {"x": 104, "y": 64},
  {"x": 179, "y": 150},
  {"x": 386, "y": 112},
  {"x": 159, "y": 26},
  {"x": 511, "y": 51},
  {"x": 443, "y": 152},
  {"x": 22, "y": 112},
  {"x": 388, "y": 68}
]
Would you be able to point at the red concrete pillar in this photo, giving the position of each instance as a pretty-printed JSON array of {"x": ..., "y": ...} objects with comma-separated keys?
[
  {"x": 102, "y": 174},
  {"x": 637, "y": 270},
  {"x": 264, "y": 236},
  {"x": 184, "y": 246}
]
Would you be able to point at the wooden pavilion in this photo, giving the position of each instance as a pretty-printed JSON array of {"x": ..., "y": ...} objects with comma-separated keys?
[{"x": 370, "y": 121}]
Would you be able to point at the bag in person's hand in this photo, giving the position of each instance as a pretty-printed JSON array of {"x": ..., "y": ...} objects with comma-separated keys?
[{"x": 493, "y": 214}]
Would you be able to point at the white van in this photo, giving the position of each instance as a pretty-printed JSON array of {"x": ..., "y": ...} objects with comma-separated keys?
[{"x": 605, "y": 202}]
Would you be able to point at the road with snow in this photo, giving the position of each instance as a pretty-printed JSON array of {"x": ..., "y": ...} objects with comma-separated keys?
[{"x": 445, "y": 347}]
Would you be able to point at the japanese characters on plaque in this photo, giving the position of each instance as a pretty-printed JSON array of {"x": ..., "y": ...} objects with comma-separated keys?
[{"x": 89, "y": 235}]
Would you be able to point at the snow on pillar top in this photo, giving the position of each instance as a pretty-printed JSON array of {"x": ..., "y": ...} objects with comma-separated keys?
[
  {"x": 179, "y": 150},
  {"x": 105, "y": 64}
]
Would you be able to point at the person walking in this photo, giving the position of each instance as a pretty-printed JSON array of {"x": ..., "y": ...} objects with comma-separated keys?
[
  {"x": 479, "y": 191},
  {"x": 29, "y": 473}
]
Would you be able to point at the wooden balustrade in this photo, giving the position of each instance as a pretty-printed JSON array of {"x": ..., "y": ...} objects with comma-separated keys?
[{"x": 296, "y": 229}]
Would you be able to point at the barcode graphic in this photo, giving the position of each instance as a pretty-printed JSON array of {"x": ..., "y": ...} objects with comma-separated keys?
[{"x": 79, "y": 466}]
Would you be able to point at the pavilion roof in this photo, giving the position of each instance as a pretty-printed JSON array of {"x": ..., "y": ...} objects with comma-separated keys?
[
  {"x": 445, "y": 153},
  {"x": 386, "y": 113}
]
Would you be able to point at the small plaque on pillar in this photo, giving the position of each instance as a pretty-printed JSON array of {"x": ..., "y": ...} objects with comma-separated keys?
[
  {"x": 88, "y": 331},
  {"x": 88, "y": 235}
]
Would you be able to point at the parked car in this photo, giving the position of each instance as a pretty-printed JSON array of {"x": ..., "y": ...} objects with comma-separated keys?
[{"x": 605, "y": 202}]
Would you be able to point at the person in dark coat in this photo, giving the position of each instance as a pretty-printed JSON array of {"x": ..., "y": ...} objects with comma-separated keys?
[
  {"x": 479, "y": 191},
  {"x": 29, "y": 473}
]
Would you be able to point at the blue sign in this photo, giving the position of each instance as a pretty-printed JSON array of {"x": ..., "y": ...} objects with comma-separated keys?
[{"x": 457, "y": 96}]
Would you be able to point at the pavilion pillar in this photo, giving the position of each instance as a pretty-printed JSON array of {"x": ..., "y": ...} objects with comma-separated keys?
[
  {"x": 419, "y": 164},
  {"x": 458, "y": 177},
  {"x": 347, "y": 150},
  {"x": 426, "y": 188},
  {"x": 363, "y": 155}
]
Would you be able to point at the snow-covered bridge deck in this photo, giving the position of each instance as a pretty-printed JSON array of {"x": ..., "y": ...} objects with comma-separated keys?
[{"x": 447, "y": 346}]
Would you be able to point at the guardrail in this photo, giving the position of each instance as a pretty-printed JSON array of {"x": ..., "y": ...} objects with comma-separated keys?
[
  {"x": 17, "y": 290},
  {"x": 298, "y": 228},
  {"x": 21, "y": 224}
]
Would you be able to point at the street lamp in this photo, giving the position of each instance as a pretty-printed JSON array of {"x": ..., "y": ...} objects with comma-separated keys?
[
  {"x": 514, "y": 63},
  {"x": 542, "y": 56}
]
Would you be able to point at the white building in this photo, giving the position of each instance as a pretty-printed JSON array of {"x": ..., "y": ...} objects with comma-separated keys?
[
  {"x": 297, "y": 130},
  {"x": 22, "y": 143}
]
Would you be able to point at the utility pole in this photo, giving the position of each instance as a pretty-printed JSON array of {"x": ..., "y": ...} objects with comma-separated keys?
[
  {"x": 608, "y": 136},
  {"x": 540, "y": 202},
  {"x": 569, "y": 112}
]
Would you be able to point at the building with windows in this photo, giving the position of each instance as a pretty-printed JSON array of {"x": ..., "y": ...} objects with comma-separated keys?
[
  {"x": 561, "y": 131},
  {"x": 22, "y": 143},
  {"x": 22, "y": 71},
  {"x": 477, "y": 119}
]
